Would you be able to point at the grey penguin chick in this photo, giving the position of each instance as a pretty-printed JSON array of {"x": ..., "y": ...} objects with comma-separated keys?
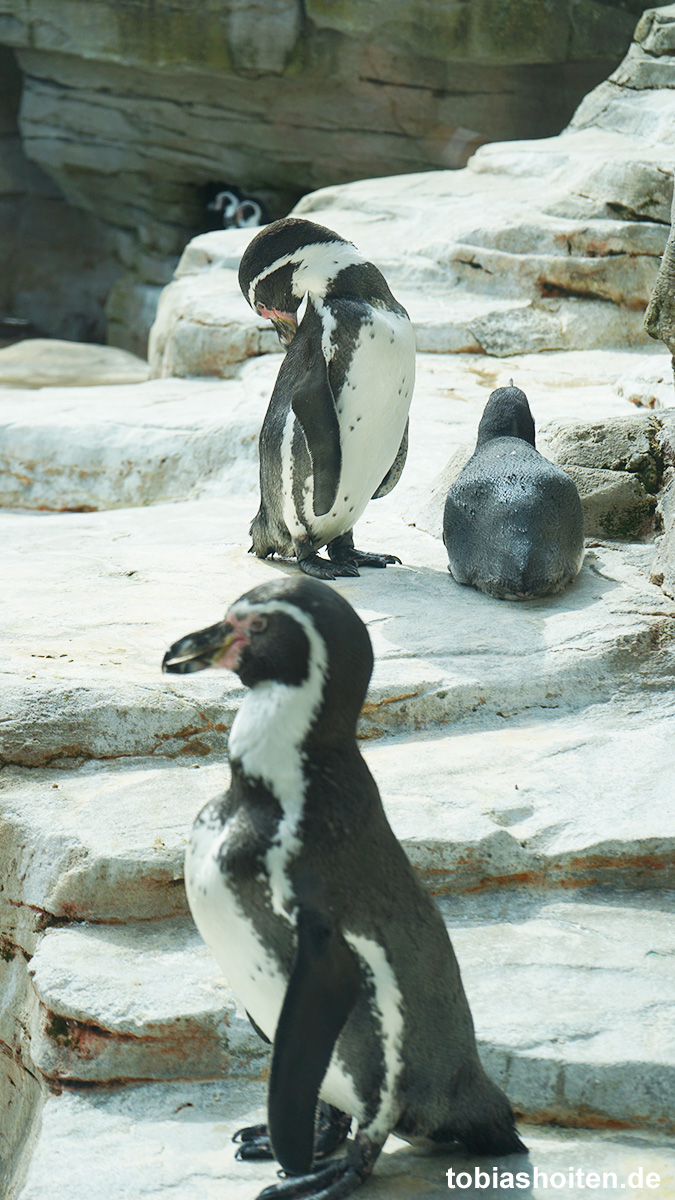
[
  {"x": 513, "y": 524},
  {"x": 312, "y": 909},
  {"x": 335, "y": 434}
]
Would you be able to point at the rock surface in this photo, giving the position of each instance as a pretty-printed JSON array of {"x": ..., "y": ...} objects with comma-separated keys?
[
  {"x": 544, "y": 245},
  {"x": 46, "y": 362},
  {"x": 131, "y": 111}
]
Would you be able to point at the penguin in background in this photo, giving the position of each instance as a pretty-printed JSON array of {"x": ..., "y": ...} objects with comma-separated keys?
[
  {"x": 513, "y": 525},
  {"x": 335, "y": 434},
  {"x": 310, "y": 905},
  {"x": 228, "y": 207}
]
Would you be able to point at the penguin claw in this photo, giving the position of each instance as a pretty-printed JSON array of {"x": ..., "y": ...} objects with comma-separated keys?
[
  {"x": 255, "y": 1149},
  {"x": 344, "y": 556},
  {"x": 332, "y": 1182},
  {"x": 249, "y": 1133}
]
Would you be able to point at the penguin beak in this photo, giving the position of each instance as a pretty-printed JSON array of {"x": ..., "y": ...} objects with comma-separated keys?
[
  {"x": 218, "y": 646},
  {"x": 286, "y": 324}
]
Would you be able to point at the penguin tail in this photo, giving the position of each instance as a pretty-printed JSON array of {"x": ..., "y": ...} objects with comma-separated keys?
[
  {"x": 483, "y": 1118},
  {"x": 493, "y": 1138}
]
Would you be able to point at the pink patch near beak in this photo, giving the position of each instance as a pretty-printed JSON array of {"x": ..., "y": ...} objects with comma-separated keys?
[
  {"x": 230, "y": 659},
  {"x": 276, "y": 313}
]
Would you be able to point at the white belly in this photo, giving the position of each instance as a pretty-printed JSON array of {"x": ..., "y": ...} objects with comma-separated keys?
[
  {"x": 372, "y": 411},
  {"x": 252, "y": 972}
]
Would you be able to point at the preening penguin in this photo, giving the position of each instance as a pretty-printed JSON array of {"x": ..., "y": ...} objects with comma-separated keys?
[
  {"x": 513, "y": 524},
  {"x": 335, "y": 434},
  {"x": 312, "y": 909}
]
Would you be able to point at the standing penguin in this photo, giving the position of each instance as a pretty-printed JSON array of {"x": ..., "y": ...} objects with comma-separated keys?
[
  {"x": 308, "y": 902},
  {"x": 513, "y": 524},
  {"x": 335, "y": 434}
]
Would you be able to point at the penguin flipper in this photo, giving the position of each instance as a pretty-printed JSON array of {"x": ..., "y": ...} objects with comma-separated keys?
[
  {"x": 394, "y": 473},
  {"x": 313, "y": 403},
  {"x": 322, "y": 991}
]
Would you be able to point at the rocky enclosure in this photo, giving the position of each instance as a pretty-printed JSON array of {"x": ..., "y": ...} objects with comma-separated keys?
[
  {"x": 524, "y": 751},
  {"x": 114, "y": 116}
]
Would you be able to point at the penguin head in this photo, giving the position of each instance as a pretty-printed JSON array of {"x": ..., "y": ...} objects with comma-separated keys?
[
  {"x": 285, "y": 261},
  {"x": 287, "y": 632},
  {"x": 506, "y": 414}
]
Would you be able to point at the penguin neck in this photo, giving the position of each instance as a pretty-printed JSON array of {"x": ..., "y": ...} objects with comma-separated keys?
[
  {"x": 275, "y": 721},
  {"x": 318, "y": 266}
]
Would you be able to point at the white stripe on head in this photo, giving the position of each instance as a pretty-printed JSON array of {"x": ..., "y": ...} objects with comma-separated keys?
[
  {"x": 266, "y": 737},
  {"x": 315, "y": 265}
]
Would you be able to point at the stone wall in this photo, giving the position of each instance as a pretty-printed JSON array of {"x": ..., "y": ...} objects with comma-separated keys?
[
  {"x": 56, "y": 267},
  {"x": 131, "y": 108}
]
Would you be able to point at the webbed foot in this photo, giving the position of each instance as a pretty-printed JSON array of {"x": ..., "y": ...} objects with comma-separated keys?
[
  {"x": 330, "y": 1183},
  {"x": 338, "y": 1178},
  {"x": 319, "y": 568},
  {"x": 342, "y": 551},
  {"x": 331, "y": 1130}
]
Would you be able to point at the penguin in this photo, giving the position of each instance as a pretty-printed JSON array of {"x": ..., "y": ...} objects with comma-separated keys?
[
  {"x": 233, "y": 209},
  {"x": 335, "y": 434},
  {"x": 330, "y": 942},
  {"x": 513, "y": 524}
]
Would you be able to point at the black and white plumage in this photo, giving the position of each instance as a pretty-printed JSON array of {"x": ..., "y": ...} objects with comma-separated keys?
[
  {"x": 311, "y": 907},
  {"x": 513, "y": 525},
  {"x": 234, "y": 209},
  {"x": 336, "y": 431}
]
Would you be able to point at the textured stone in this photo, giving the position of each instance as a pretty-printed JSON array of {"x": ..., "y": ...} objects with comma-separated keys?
[
  {"x": 663, "y": 570},
  {"x": 111, "y": 447},
  {"x": 617, "y": 466},
  {"x": 143, "y": 1002},
  {"x": 151, "y": 1003},
  {"x": 42, "y": 362},
  {"x": 177, "y": 1136},
  {"x": 476, "y": 806},
  {"x": 649, "y": 384}
]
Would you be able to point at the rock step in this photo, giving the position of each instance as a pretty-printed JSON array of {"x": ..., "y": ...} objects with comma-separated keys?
[
  {"x": 487, "y": 803},
  {"x": 150, "y": 1139},
  {"x": 100, "y": 447},
  {"x": 149, "y": 1002},
  {"x": 109, "y": 592},
  {"x": 144, "y": 1001}
]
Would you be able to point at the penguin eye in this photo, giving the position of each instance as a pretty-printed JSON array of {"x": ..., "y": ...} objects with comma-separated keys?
[{"x": 257, "y": 624}]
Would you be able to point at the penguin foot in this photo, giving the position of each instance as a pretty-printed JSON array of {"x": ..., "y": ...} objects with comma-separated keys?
[
  {"x": 361, "y": 558},
  {"x": 330, "y": 1183},
  {"x": 319, "y": 568},
  {"x": 332, "y": 1128},
  {"x": 338, "y": 1178},
  {"x": 254, "y": 1143},
  {"x": 342, "y": 552}
]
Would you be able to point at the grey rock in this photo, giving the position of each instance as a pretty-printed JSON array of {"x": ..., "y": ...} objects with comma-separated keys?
[
  {"x": 44, "y": 362},
  {"x": 649, "y": 384},
  {"x": 617, "y": 466},
  {"x": 663, "y": 569},
  {"x": 177, "y": 1136},
  {"x": 143, "y": 1002}
]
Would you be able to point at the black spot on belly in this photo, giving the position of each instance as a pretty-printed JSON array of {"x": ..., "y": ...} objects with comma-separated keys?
[{"x": 351, "y": 428}]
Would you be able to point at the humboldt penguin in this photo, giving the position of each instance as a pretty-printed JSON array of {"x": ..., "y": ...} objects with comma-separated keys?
[
  {"x": 513, "y": 525},
  {"x": 312, "y": 909},
  {"x": 335, "y": 434}
]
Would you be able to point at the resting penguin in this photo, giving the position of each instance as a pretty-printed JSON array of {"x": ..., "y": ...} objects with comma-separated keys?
[
  {"x": 513, "y": 524},
  {"x": 307, "y": 900},
  {"x": 336, "y": 431}
]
